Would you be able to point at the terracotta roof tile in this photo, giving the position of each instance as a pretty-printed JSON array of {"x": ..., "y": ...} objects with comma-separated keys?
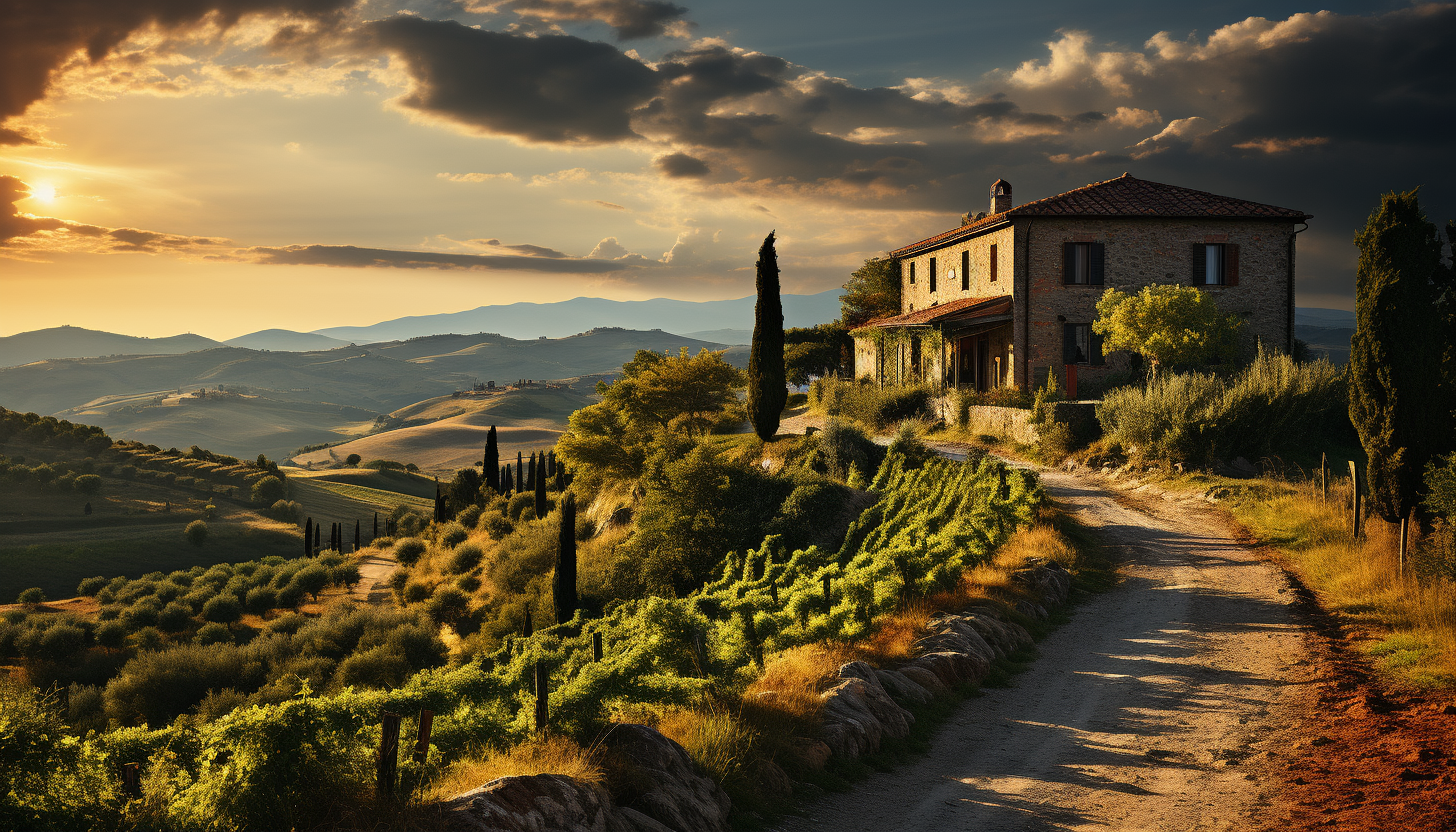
[
  {"x": 993, "y": 306},
  {"x": 1125, "y": 196}
]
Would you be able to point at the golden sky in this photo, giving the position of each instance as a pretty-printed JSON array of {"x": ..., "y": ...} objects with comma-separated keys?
[{"x": 225, "y": 166}]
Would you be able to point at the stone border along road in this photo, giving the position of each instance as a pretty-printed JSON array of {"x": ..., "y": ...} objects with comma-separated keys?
[{"x": 1155, "y": 708}]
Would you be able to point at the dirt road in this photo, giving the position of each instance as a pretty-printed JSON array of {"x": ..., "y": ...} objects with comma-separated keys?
[{"x": 1154, "y": 709}]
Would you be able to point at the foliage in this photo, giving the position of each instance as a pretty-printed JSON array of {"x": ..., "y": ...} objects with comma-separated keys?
[
  {"x": 1273, "y": 405},
  {"x": 1168, "y": 325},
  {"x": 1441, "y": 486},
  {"x": 196, "y": 532},
  {"x": 563, "y": 578},
  {"x": 32, "y": 596},
  {"x": 268, "y": 491},
  {"x": 1397, "y": 393},
  {"x": 816, "y": 351},
  {"x": 409, "y": 551},
  {"x": 867, "y": 403},
  {"x": 873, "y": 291},
  {"x": 845, "y": 446},
  {"x": 766, "y": 383},
  {"x": 48, "y": 780}
]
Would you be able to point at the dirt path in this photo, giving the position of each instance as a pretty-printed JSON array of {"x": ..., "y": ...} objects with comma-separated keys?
[
  {"x": 1154, "y": 709},
  {"x": 374, "y": 573}
]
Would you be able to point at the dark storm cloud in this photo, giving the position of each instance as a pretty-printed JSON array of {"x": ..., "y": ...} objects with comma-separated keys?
[
  {"x": 630, "y": 19},
  {"x": 681, "y": 165},
  {"x": 38, "y": 36},
  {"x": 355, "y": 257},
  {"x": 553, "y": 88}
]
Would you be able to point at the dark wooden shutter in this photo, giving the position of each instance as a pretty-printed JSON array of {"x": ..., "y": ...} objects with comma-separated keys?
[
  {"x": 912, "y": 272},
  {"x": 1069, "y": 343},
  {"x": 993, "y": 263},
  {"x": 1200, "y": 265},
  {"x": 1069, "y": 263},
  {"x": 1231, "y": 265},
  {"x": 932, "y": 274},
  {"x": 1094, "y": 271},
  {"x": 1097, "y": 358},
  {"x": 965, "y": 270}
]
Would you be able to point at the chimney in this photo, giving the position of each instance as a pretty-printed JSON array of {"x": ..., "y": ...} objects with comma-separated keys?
[{"x": 1000, "y": 196}]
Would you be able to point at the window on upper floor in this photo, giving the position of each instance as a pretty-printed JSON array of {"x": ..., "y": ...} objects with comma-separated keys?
[
  {"x": 966, "y": 270},
  {"x": 911, "y": 264},
  {"x": 1215, "y": 264},
  {"x": 1082, "y": 264},
  {"x": 992, "y": 270},
  {"x": 1080, "y": 345},
  {"x": 932, "y": 274}
]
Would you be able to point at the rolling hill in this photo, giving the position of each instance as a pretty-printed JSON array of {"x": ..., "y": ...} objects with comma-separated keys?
[
  {"x": 285, "y": 340},
  {"x": 75, "y": 342}
]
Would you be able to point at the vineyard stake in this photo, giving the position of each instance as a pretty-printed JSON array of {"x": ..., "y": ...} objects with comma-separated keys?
[
  {"x": 388, "y": 754},
  {"x": 422, "y": 742},
  {"x": 541, "y": 692},
  {"x": 597, "y": 646},
  {"x": 1354, "y": 500}
]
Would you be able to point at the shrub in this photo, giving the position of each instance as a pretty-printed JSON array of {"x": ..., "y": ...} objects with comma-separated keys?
[
  {"x": 111, "y": 634},
  {"x": 196, "y": 532},
  {"x": 260, "y": 599},
  {"x": 87, "y": 484},
  {"x": 845, "y": 445},
  {"x": 311, "y": 579},
  {"x": 415, "y": 592},
  {"x": 469, "y": 516},
  {"x": 90, "y": 586},
  {"x": 174, "y": 617},
  {"x": 267, "y": 491},
  {"x": 157, "y": 687},
  {"x": 867, "y": 403},
  {"x": 496, "y": 525},
  {"x": 290, "y": 596},
  {"x": 448, "y": 605},
  {"x": 518, "y": 504},
  {"x": 453, "y": 535},
  {"x": 46, "y": 779},
  {"x": 222, "y": 609},
  {"x": 214, "y": 633},
  {"x": 33, "y": 596},
  {"x": 466, "y": 557},
  {"x": 287, "y": 511},
  {"x": 409, "y": 551}
]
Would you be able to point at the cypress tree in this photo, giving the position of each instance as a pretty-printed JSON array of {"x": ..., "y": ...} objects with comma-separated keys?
[
  {"x": 551, "y": 463},
  {"x": 540, "y": 477},
  {"x": 506, "y": 484},
  {"x": 308, "y": 538},
  {"x": 439, "y": 503},
  {"x": 531, "y": 474},
  {"x": 376, "y": 526},
  {"x": 767, "y": 392},
  {"x": 563, "y": 582},
  {"x": 318, "y": 533},
  {"x": 1396, "y": 394},
  {"x": 492, "y": 462},
  {"x": 356, "y": 535},
  {"x": 520, "y": 472}
]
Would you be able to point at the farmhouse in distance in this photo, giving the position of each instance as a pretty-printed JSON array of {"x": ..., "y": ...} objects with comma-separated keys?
[{"x": 1013, "y": 292}]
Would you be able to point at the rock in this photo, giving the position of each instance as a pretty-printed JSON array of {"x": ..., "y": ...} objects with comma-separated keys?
[
  {"x": 670, "y": 791},
  {"x": 809, "y": 753},
  {"x": 1032, "y": 611},
  {"x": 534, "y": 804},
  {"x": 925, "y": 678},
  {"x": 773, "y": 781},
  {"x": 895, "y": 719},
  {"x": 952, "y": 668},
  {"x": 851, "y": 729},
  {"x": 640, "y": 822},
  {"x": 901, "y": 688}
]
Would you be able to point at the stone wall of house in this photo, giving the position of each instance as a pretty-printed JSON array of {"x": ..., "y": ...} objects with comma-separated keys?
[
  {"x": 866, "y": 358},
  {"x": 1144, "y": 252},
  {"x": 918, "y": 295}
]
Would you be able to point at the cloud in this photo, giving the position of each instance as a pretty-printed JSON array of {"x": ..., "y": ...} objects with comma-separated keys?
[
  {"x": 523, "y": 249},
  {"x": 1282, "y": 145},
  {"x": 612, "y": 205},
  {"x": 476, "y": 177},
  {"x": 27, "y": 234},
  {"x": 553, "y": 88},
  {"x": 681, "y": 165},
  {"x": 608, "y": 249},
  {"x": 357, "y": 257},
  {"x": 38, "y": 38},
  {"x": 629, "y": 18}
]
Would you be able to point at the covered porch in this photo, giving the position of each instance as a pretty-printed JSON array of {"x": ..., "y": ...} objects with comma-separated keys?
[{"x": 963, "y": 343}]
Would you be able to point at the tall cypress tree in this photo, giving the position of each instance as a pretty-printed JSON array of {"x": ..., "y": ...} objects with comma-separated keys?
[
  {"x": 318, "y": 533},
  {"x": 531, "y": 473},
  {"x": 376, "y": 526},
  {"x": 439, "y": 503},
  {"x": 308, "y": 538},
  {"x": 767, "y": 392},
  {"x": 356, "y": 535},
  {"x": 1397, "y": 398},
  {"x": 563, "y": 581},
  {"x": 540, "y": 478},
  {"x": 492, "y": 462},
  {"x": 506, "y": 484}
]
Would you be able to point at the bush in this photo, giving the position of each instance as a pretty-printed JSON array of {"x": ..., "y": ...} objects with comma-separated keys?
[
  {"x": 845, "y": 445},
  {"x": 518, "y": 504},
  {"x": 409, "y": 551},
  {"x": 46, "y": 780},
  {"x": 34, "y": 595},
  {"x": 878, "y": 407},
  {"x": 311, "y": 579},
  {"x": 196, "y": 532},
  {"x": 287, "y": 511},
  {"x": 466, "y": 557},
  {"x": 90, "y": 586},
  {"x": 87, "y": 484},
  {"x": 469, "y": 516},
  {"x": 496, "y": 525},
  {"x": 448, "y": 605},
  {"x": 222, "y": 609},
  {"x": 260, "y": 599},
  {"x": 453, "y": 535},
  {"x": 175, "y": 617},
  {"x": 415, "y": 592},
  {"x": 214, "y": 633},
  {"x": 157, "y": 687},
  {"x": 267, "y": 491}
]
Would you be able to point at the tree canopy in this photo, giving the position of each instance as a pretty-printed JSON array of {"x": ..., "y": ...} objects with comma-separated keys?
[
  {"x": 815, "y": 351},
  {"x": 873, "y": 291},
  {"x": 1167, "y": 325}
]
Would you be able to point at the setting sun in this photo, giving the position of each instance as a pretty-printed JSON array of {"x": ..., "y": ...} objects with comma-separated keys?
[{"x": 43, "y": 192}]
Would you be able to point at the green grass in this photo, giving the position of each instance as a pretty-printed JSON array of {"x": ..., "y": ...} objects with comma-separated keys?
[
  {"x": 327, "y": 501},
  {"x": 57, "y": 567}
]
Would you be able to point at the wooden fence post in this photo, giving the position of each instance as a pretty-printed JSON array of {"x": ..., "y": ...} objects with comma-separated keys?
[
  {"x": 597, "y": 646},
  {"x": 828, "y": 601},
  {"x": 388, "y": 755},
  {"x": 1404, "y": 541},
  {"x": 1324, "y": 480},
  {"x": 541, "y": 693},
  {"x": 526, "y": 630},
  {"x": 422, "y": 742},
  {"x": 773, "y": 593},
  {"x": 1354, "y": 500}
]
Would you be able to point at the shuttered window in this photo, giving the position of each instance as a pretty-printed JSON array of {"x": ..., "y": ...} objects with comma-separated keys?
[
  {"x": 1082, "y": 264},
  {"x": 993, "y": 263},
  {"x": 966, "y": 269},
  {"x": 1215, "y": 264},
  {"x": 912, "y": 272},
  {"x": 1080, "y": 345},
  {"x": 932, "y": 274}
]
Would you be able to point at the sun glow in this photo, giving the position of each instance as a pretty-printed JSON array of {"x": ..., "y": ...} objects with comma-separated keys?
[{"x": 44, "y": 192}]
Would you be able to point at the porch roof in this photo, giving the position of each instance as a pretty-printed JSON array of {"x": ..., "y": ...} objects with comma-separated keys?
[{"x": 962, "y": 309}]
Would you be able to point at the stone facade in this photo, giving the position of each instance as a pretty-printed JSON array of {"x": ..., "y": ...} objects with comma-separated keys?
[{"x": 1146, "y": 233}]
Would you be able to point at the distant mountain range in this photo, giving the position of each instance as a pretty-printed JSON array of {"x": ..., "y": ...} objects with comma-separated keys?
[
  {"x": 75, "y": 342},
  {"x": 568, "y": 317},
  {"x": 285, "y": 340}
]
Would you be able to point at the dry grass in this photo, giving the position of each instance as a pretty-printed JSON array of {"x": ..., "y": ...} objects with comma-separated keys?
[
  {"x": 1410, "y": 621},
  {"x": 549, "y": 755}
]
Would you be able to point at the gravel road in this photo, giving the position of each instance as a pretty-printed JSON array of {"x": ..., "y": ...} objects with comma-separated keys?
[{"x": 1153, "y": 709}]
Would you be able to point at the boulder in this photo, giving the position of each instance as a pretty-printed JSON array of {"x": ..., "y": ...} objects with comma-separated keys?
[
  {"x": 925, "y": 678},
  {"x": 952, "y": 668},
  {"x": 851, "y": 728},
  {"x": 536, "y": 803},
  {"x": 901, "y": 688},
  {"x": 895, "y": 719},
  {"x": 669, "y": 791},
  {"x": 809, "y": 753}
]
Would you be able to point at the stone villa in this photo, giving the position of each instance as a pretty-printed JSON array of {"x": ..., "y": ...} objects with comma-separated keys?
[{"x": 1013, "y": 292}]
